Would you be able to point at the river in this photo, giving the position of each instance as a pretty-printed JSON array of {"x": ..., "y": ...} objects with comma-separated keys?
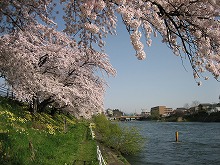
[{"x": 199, "y": 143}]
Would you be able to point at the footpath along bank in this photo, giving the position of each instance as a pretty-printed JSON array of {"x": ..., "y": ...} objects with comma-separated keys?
[{"x": 105, "y": 155}]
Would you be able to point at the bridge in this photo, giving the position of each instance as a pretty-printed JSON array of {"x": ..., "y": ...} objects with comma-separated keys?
[{"x": 126, "y": 118}]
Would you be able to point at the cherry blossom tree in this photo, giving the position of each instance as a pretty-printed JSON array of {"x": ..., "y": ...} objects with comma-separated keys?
[
  {"x": 45, "y": 64},
  {"x": 190, "y": 28}
]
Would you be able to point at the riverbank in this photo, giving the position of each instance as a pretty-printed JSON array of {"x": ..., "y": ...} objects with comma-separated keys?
[
  {"x": 112, "y": 157},
  {"x": 197, "y": 117},
  {"x": 44, "y": 139}
]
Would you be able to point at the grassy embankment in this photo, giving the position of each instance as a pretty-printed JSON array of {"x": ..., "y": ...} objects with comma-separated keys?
[
  {"x": 41, "y": 138},
  {"x": 116, "y": 139}
]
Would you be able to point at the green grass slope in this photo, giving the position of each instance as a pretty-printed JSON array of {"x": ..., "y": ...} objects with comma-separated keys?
[{"x": 42, "y": 139}]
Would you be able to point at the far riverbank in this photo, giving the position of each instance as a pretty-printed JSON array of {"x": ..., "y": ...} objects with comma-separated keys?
[{"x": 197, "y": 117}]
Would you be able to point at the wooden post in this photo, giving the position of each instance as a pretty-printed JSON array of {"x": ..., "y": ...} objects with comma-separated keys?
[
  {"x": 8, "y": 93},
  {"x": 177, "y": 136},
  {"x": 34, "y": 102},
  {"x": 31, "y": 147},
  {"x": 65, "y": 126}
]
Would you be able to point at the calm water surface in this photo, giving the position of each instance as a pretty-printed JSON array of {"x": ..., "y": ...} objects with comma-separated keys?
[{"x": 199, "y": 143}]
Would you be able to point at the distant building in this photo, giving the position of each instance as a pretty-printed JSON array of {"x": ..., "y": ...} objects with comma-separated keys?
[
  {"x": 216, "y": 107},
  {"x": 168, "y": 111},
  {"x": 117, "y": 113},
  {"x": 109, "y": 112},
  {"x": 161, "y": 111},
  {"x": 145, "y": 114},
  {"x": 193, "y": 110},
  {"x": 205, "y": 107},
  {"x": 181, "y": 111}
]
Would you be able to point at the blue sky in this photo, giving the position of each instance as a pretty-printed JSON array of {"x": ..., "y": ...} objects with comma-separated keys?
[{"x": 160, "y": 79}]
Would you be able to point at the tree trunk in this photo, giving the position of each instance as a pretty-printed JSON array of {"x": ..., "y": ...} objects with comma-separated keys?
[
  {"x": 42, "y": 106},
  {"x": 35, "y": 104}
]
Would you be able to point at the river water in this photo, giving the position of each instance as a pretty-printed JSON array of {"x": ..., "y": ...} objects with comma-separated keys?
[{"x": 199, "y": 143}]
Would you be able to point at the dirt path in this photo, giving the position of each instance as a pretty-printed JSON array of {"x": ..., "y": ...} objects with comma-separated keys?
[{"x": 111, "y": 157}]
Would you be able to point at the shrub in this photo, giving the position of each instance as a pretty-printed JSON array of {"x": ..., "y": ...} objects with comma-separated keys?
[{"x": 124, "y": 139}]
